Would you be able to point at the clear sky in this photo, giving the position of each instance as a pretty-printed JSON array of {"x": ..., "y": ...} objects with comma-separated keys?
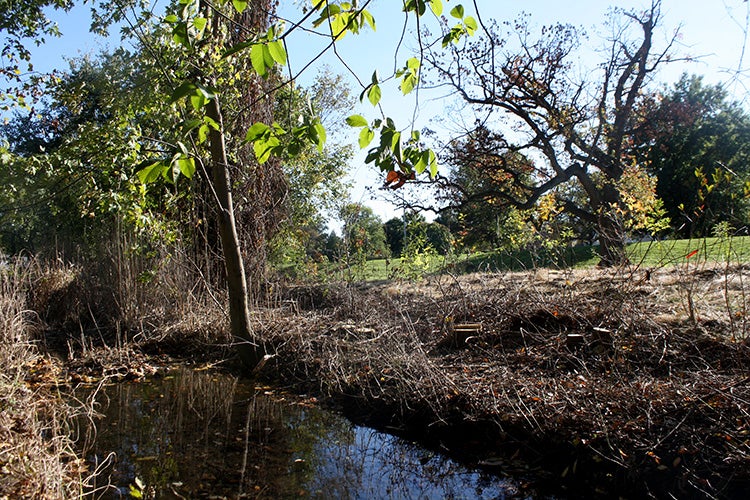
[{"x": 712, "y": 30}]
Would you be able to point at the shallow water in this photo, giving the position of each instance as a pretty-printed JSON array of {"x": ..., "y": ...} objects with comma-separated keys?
[{"x": 198, "y": 434}]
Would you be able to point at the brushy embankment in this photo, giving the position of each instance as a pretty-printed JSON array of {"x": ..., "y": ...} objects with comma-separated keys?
[
  {"x": 629, "y": 383},
  {"x": 37, "y": 460},
  {"x": 633, "y": 383}
]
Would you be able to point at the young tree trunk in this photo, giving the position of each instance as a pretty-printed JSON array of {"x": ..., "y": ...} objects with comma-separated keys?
[{"x": 239, "y": 316}]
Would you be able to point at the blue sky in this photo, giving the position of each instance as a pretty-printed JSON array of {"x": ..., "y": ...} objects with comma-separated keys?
[{"x": 711, "y": 29}]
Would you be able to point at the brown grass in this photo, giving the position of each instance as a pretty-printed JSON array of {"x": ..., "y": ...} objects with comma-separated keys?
[
  {"x": 641, "y": 377},
  {"x": 628, "y": 381},
  {"x": 36, "y": 453}
]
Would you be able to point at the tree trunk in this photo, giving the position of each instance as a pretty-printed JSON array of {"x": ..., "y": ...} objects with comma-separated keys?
[
  {"x": 239, "y": 316},
  {"x": 611, "y": 240}
]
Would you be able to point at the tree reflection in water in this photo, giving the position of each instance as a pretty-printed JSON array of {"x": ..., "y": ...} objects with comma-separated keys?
[{"x": 198, "y": 434}]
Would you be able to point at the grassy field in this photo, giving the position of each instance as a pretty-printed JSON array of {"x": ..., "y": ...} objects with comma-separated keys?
[{"x": 647, "y": 254}]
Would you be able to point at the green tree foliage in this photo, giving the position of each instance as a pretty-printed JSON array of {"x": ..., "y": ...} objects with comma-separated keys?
[
  {"x": 23, "y": 23},
  {"x": 697, "y": 143},
  {"x": 395, "y": 230},
  {"x": 316, "y": 177},
  {"x": 364, "y": 236},
  {"x": 482, "y": 173},
  {"x": 69, "y": 168},
  {"x": 400, "y": 233},
  {"x": 439, "y": 237}
]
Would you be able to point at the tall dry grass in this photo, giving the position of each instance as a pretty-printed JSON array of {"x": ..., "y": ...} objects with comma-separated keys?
[
  {"x": 37, "y": 459},
  {"x": 128, "y": 298}
]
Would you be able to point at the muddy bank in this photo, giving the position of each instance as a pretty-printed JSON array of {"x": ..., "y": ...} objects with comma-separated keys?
[
  {"x": 592, "y": 382},
  {"x": 602, "y": 383}
]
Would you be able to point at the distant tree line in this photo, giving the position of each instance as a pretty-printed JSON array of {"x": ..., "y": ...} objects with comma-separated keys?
[{"x": 677, "y": 160}]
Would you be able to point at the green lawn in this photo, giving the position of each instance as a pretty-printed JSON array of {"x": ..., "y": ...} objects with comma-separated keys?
[
  {"x": 672, "y": 252},
  {"x": 646, "y": 254}
]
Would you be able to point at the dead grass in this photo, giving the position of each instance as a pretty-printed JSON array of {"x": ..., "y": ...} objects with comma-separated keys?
[
  {"x": 633, "y": 380},
  {"x": 631, "y": 377},
  {"x": 36, "y": 453}
]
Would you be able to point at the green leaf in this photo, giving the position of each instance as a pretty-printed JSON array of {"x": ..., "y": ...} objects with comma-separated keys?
[
  {"x": 239, "y": 5},
  {"x": 426, "y": 158},
  {"x": 149, "y": 174},
  {"x": 200, "y": 23},
  {"x": 237, "y": 48},
  {"x": 433, "y": 164},
  {"x": 267, "y": 57},
  {"x": 366, "y": 136},
  {"x": 420, "y": 165},
  {"x": 412, "y": 63},
  {"x": 183, "y": 90},
  {"x": 202, "y": 133},
  {"x": 171, "y": 18},
  {"x": 437, "y": 7},
  {"x": 191, "y": 124},
  {"x": 356, "y": 121},
  {"x": 458, "y": 11},
  {"x": 265, "y": 148},
  {"x": 372, "y": 155},
  {"x": 186, "y": 165},
  {"x": 257, "y": 59},
  {"x": 276, "y": 49},
  {"x": 396, "y": 145},
  {"x": 198, "y": 100},
  {"x": 417, "y": 6},
  {"x": 135, "y": 492},
  {"x": 408, "y": 83},
  {"x": 319, "y": 136},
  {"x": 257, "y": 131},
  {"x": 374, "y": 94},
  {"x": 471, "y": 25},
  {"x": 331, "y": 10},
  {"x": 211, "y": 122},
  {"x": 208, "y": 92},
  {"x": 180, "y": 34},
  {"x": 369, "y": 19}
]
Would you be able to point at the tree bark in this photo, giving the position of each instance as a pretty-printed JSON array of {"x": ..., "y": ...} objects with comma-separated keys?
[
  {"x": 611, "y": 240},
  {"x": 610, "y": 226},
  {"x": 239, "y": 316}
]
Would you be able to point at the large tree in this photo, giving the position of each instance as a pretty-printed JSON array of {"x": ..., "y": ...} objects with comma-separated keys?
[
  {"x": 220, "y": 61},
  {"x": 479, "y": 170},
  {"x": 364, "y": 237},
  {"x": 697, "y": 144},
  {"x": 573, "y": 130}
]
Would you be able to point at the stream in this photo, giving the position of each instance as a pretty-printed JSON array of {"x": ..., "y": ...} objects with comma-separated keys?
[{"x": 203, "y": 434}]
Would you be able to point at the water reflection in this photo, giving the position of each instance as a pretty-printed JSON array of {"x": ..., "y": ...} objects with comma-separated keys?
[{"x": 195, "y": 434}]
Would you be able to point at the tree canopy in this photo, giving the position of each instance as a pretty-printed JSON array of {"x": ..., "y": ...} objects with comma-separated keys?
[
  {"x": 697, "y": 145},
  {"x": 569, "y": 129}
]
